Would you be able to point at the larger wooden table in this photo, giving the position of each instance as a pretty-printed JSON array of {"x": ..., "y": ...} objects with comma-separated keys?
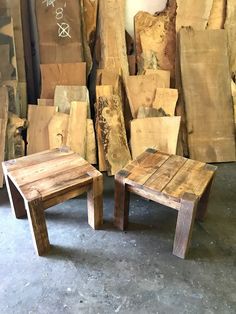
[
  {"x": 42, "y": 180},
  {"x": 174, "y": 181}
]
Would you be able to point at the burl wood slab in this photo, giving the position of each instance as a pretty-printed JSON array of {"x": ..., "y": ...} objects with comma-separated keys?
[
  {"x": 42, "y": 180},
  {"x": 170, "y": 180}
]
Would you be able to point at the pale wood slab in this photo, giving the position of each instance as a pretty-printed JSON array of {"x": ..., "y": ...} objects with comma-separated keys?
[
  {"x": 37, "y": 135},
  {"x": 159, "y": 133},
  {"x": 61, "y": 74},
  {"x": 111, "y": 121},
  {"x": 57, "y": 130},
  {"x": 208, "y": 103},
  {"x": 141, "y": 90},
  {"x": 193, "y": 13},
  {"x": 91, "y": 148},
  {"x": 45, "y": 102},
  {"x": 166, "y": 99},
  {"x": 157, "y": 39},
  {"x": 77, "y": 128},
  {"x": 217, "y": 15},
  {"x": 230, "y": 26},
  {"x": 3, "y": 126},
  {"x": 64, "y": 95}
]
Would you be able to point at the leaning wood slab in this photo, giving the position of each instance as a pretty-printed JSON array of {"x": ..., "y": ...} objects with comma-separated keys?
[
  {"x": 64, "y": 95},
  {"x": 61, "y": 74},
  {"x": 91, "y": 151},
  {"x": 37, "y": 135},
  {"x": 111, "y": 121},
  {"x": 217, "y": 15},
  {"x": 160, "y": 133},
  {"x": 45, "y": 102},
  {"x": 230, "y": 26},
  {"x": 90, "y": 18},
  {"x": 141, "y": 90},
  {"x": 77, "y": 128},
  {"x": 208, "y": 101},
  {"x": 57, "y": 130},
  {"x": 155, "y": 38},
  {"x": 193, "y": 13},
  {"x": 3, "y": 126},
  {"x": 166, "y": 98}
]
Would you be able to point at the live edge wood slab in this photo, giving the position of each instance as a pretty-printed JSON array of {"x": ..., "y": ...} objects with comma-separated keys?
[
  {"x": 42, "y": 180},
  {"x": 173, "y": 181}
]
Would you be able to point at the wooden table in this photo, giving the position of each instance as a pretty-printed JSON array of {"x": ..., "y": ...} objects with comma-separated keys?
[
  {"x": 42, "y": 180},
  {"x": 170, "y": 180}
]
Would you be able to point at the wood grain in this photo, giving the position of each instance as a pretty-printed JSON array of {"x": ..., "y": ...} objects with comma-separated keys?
[
  {"x": 57, "y": 130},
  {"x": 166, "y": 99},
  {"x": 91, "y": 150},
  {"x": 218, "y": 14},
  {"x": 159, "y": 133},
  {"x": 208, "y": 102}
]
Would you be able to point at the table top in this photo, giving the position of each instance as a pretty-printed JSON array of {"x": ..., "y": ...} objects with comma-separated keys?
[
  {"x": 49, "y": 172},
  {"x": 168, "y": 174}
]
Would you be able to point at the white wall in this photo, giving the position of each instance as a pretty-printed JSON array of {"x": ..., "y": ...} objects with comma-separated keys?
[{"x": 133, "y": 6}]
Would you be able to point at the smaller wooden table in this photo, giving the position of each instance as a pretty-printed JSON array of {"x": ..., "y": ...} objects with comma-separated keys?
[
  {"x": 174, "y": 181},
  {"x": 42, "y": 180}
]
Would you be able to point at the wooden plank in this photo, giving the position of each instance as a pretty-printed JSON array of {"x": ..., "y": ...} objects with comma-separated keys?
[
  {"x": 77, "y": 127},
  {"x": 91, "y": 143},
  {"x": 101, "y": 91},
  {"x": 230, "y": 26},
  {"x": 112, "y": 25},
  {"x": 64, "y": 95},
  {"x": 57, "y": 130},
  {"x": 159, "y": 133},
  {"x": 111, "y": 121},
  {"x": 6, "y": 68},
  {"x": 159, "y": 180},
  {"x": 61, "y": 74},
  {"x": 208, "y": 102},
  {"x": 156, "y": 36},
  {"x": 60, "y": 39},
  {"x": 193, "y": 177},
  {"x": 162, "y": 74},
  {"x": 3, "y": 126},
  {"x": 90, "y": 17},
  {"x": 149, "y": 112},
  {"x": 218, "y": 14},
  {"x": 166, "y": 99},
  {"x": 193, "y": 13},
  {"x": 45, "y": 102},
  {"x": 37, "y": 135},
  {"x": 7, "y": 38},
  {"x": 141, "y": 90}
]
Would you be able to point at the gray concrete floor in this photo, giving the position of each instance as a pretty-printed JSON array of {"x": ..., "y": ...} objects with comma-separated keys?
[{"x": 109, "y": 271}]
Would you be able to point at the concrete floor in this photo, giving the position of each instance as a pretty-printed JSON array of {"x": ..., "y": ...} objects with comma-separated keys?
[{"x": 109, "y": 271}]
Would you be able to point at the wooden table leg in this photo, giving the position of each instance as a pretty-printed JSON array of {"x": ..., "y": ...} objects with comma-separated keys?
[
  {"x": 203, "y": 202},
  {"x": 16, "y": 199},
  {"x": 36, "y": 217},
  {"x": 122, "y": 198},
  {"x": 95, "y": 202},
  {"x": 184, "y": 226}
]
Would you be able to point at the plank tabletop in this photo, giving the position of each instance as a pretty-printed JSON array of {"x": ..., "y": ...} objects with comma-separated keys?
[
  {"x": 49, "y": 172},
  {"x": 170, "y": 175}
]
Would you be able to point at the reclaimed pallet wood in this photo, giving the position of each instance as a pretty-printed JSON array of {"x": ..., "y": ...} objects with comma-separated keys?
[
  {"x": 64, "y": 95},
  {"x": 111, "y": 19},
  {"x": 57, "y": 130},
  {"x": 111, "y": 120},
  {"x": 208, "y": 102},
  {"x": 60, "y": 39},
  {"x": 91, "y": 151},
  {"x": 141, "y": 90},
  {"x": 155, "y": 37},
  {"x": 37, "y": 134},
  {"x": 218, "y": 14},
  {"x": 101, "y": 91},
  {"x": 166, "y": 98},
  {"x": 230, "y": 26},
  {"x": 160, "y": 133},
  {"x": 61, "y": 74},
  {"x": 77, "y": 127},
  {"x": 3, "y": 126},
  {"x": 193, "y": 13}
]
